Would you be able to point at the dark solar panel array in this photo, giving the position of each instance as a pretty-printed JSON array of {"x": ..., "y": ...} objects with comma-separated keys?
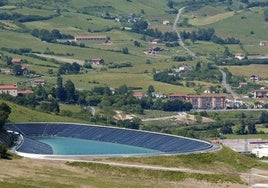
[{"x": 161, "y": 142}]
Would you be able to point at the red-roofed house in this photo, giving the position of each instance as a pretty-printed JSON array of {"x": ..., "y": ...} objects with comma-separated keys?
[
  {"x": 25, "y": 92},
  {"x": 16, "y": 60},
  {"x": 39, "y": 82},
  {"x": 243, "y": 84},
  {"x": 9, "y": 89},
  {"x": 138, "y": 95},
  {"x": 89, "y": 38}
]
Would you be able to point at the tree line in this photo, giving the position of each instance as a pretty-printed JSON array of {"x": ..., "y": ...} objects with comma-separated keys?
[
  {"x": 141, "y": 27},
  {"x": 207, "y": 35},
  {"x": 50, "y": 36},
  {"x": 5, "y": 111},
  {"x": 23, "y": 18}
]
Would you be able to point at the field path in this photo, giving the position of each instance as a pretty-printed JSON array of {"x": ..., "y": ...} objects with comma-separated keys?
[
  {"x": 181, "y": 43},
  {"x": 60, "y": 58}
]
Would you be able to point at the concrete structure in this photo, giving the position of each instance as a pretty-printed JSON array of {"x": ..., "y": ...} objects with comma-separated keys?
[
  {"x": 261, "y": 151},
  {"x": 212, "y": 101},
  {"x": 9, "y": 89},
  {"x": 243, "y": 145}
]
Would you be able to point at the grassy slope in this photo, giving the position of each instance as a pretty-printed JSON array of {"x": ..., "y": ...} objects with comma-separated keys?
[
  {"x": 225, "y": 158},
  {"x": 23, "y": 114},
  {"x": 214, "y": 169}
]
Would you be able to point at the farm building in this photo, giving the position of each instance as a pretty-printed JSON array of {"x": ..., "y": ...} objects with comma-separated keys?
[{"x": 89, "y": 38}]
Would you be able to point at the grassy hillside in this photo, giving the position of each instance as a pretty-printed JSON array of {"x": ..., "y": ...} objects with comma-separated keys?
[
  {"x": 83, "y": 17},
  {"x": 23, "y": 114}
]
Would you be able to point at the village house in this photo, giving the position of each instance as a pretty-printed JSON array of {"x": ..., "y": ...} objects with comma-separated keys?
[
  {"x": 207, "y": 89},
  {"x": 154, "y": 49},
  {"x": 185, "y": 68},
  {"x": 254, "y": 78},
  {"x": 243, "y": 84},
  {"x": 260, "y": 93},
  {"x": 24, "y": 71},
  {"x": 264, "y": 43},
  {"x": 9, "y": 89},
  {"x": 166, "y": 22},
  {"x": 5, "y": 71},
  {"x": 138, "y": 95},
  {"x": 259, "y": 104},
  {"x": 240, "y": 56},
  {"x": 90, "y": 38},
  {"x": 97, "y": 61},
  {"x": 16, "y": 60},
  {"x": 39, "y": 82},
  {"x": 158, "y": 95},
  {"x": 156, "y": 41},
  {"x": 25, "y": 92}
]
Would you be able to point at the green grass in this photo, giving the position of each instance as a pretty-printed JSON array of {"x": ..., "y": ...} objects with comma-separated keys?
[
  {"x": 224, "y": 160},
  {"x": 85, "y": 81},
  {"x": 248, "y": 70},
  {"x": 242, "y": 30},
  {"x": 23, "y": 114},
  {"x": 142, "y": 174}
]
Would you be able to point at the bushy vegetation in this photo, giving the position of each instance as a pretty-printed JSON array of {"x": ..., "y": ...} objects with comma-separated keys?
[
  {"x": 22, "y": 18},
  {"x": 236, "y": 62},
  {"x": 5, "y": 110},
  {"x": 46, "y": 35},
  {"x": 205, "y": 72},
  {"x": 207, "y": 35},
  {"x": 167, "y": 77}
]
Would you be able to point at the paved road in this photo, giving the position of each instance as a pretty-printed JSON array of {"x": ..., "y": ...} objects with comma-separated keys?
[
  {"x": 227, "y": 86},
  {"x": 178, "y": 33}
]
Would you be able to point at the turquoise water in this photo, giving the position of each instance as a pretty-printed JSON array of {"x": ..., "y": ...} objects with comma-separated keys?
[{"x": 73, "y": 146}]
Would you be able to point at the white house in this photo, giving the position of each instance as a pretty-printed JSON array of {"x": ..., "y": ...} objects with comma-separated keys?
[{"x": 240, "y": 56}]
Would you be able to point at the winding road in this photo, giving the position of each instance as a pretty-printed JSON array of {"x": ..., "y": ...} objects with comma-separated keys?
[{"x": 181, "y": 43}]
